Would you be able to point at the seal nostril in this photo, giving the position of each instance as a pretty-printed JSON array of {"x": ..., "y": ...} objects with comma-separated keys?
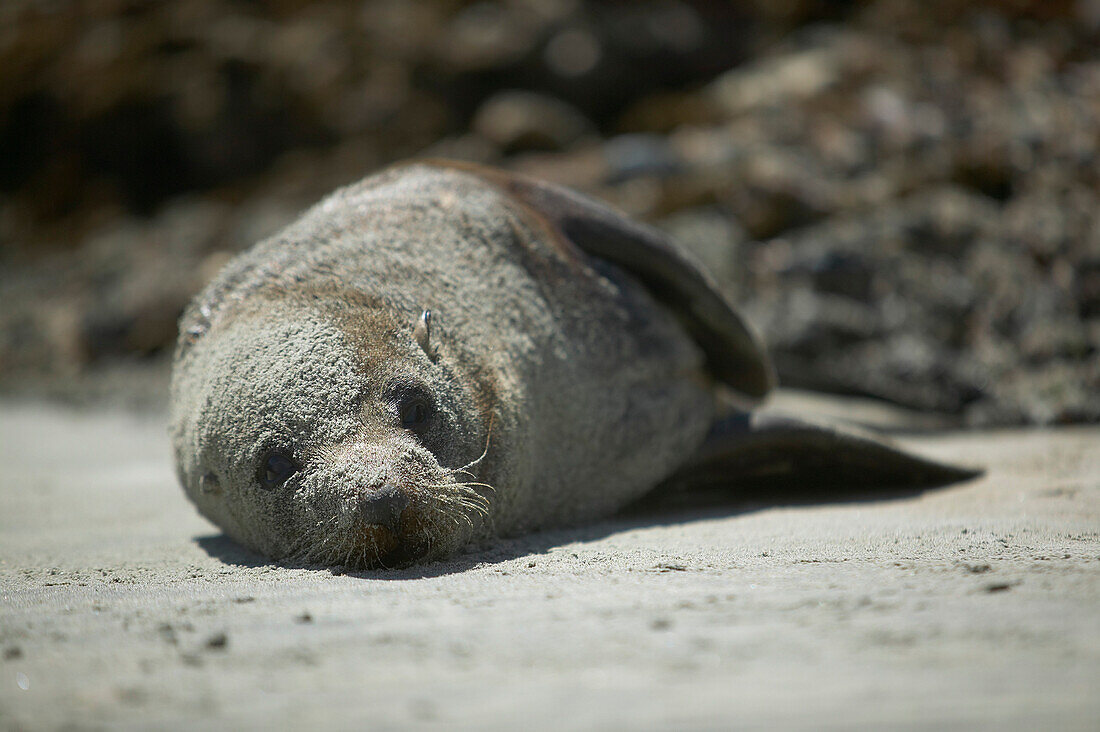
[{"x": 383, "y": 507}]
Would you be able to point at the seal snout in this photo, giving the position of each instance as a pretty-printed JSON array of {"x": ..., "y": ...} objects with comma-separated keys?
[{"x": 383, "y": 507}]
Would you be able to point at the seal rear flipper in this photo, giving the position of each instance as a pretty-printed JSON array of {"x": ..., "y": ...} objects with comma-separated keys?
[
  {"x": 734, "y": 354},
  {"x": 765, "y": 450}
]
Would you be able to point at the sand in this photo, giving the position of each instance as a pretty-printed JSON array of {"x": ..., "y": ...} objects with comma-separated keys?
[{"x": 976, "y": 605}]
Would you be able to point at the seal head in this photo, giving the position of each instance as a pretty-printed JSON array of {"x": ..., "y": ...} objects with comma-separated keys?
[{"x": 307, "y": 441}]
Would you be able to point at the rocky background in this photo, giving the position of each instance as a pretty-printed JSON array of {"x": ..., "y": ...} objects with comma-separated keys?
[{"x": 904, "y": 196}]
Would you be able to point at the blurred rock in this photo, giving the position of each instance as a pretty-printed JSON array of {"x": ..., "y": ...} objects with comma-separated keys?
[
  {"x": 779, "y": 81},
  {"x": 633, "y": 156},
  {"x": 904, "y": 197},
  {"x": 517, "y": 120}
]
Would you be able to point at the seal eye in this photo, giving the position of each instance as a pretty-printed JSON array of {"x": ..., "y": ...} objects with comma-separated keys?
[
  {"x": 275, "y": 469},
  {"x": 414, "y": 411},
  {"x": 411, "y": 403}
]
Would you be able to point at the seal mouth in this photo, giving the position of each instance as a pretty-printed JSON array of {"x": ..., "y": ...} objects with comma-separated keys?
[
  {"x": 401, "y": 542},
  {"x": 378, "y": 542}
]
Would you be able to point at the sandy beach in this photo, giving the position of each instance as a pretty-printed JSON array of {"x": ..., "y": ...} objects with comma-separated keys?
[{"x": 971, "y": 606}]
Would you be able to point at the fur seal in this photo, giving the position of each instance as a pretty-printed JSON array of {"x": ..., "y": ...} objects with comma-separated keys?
[{"x": 443, "y": 352}]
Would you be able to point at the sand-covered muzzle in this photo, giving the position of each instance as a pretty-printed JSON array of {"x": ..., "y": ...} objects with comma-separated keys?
[{"x": 382, "y": 504}]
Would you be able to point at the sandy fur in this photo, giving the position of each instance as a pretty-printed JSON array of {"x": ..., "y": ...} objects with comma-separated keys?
[{"x": 593, "y": 391}]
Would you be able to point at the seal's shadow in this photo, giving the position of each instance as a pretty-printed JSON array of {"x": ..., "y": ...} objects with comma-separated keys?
[{"x": 663, "y": 508}]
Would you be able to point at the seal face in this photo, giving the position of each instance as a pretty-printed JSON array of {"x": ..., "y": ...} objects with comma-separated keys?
[
  {"x": 441, "y": 353},
  {"x": 302, "y": 443}
]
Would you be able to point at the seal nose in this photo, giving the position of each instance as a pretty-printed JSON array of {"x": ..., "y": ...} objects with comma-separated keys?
[{"x": 383, "y": 507}]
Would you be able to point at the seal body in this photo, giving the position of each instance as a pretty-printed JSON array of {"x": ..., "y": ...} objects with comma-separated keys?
[
  {"x": 554, "y": 388},
  {"x": 442, "y": 352}
]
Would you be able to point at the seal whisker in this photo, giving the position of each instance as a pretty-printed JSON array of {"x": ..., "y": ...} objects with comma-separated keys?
[
  {"x": 297, "y": 548},
  {"x": 472, "y": 483},
  {"x": 473, "y": 463},
  {"x": 464, "y": 506},
  {"x": 300, "y": 549},
  {"x": 466, "y": 503},
  {"x": 462, "y": 489},
  {"x": 457, "y": 517}
]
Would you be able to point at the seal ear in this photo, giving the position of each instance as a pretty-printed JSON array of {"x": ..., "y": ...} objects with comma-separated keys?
[
  {"x": 734, "y": 354},
  {"x": 422, "y": 332},
  {"x": 753, "y": 450}
]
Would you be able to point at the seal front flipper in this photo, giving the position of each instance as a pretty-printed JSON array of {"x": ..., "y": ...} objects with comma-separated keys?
[
  {"x": 734, "y": 354},
  {"x": 766, "y": 450}
]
